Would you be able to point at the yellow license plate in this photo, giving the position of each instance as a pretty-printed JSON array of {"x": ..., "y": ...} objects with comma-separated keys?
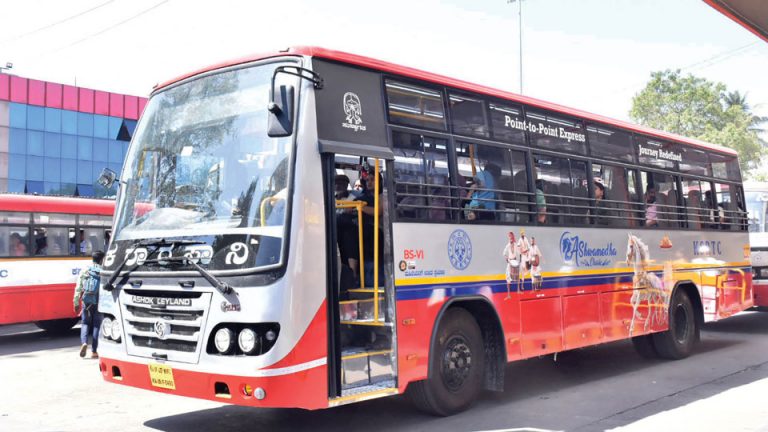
[{"x": 161, "y": 376}]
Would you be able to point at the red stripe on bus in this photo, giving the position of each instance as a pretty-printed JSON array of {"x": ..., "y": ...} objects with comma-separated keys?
[
  {"x": 36, "y": 303},
  {"x": 304, "y": 389},
  {"x": 49, "y": 204}
]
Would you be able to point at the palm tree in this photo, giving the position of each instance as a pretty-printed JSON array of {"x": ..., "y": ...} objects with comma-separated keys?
[{"x": 735, "y": 98}]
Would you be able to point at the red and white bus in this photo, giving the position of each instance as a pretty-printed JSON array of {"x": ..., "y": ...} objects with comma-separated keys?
[
  {"x": 491, "y": 228},
  {"x": 44, "y": 242},
  {"x": 756, "y": 194}
]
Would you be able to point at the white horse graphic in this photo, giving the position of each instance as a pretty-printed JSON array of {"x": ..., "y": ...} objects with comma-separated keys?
[{"x": 647, "y": 287}]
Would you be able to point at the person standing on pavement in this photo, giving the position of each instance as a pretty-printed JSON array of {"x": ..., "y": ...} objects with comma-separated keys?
[{"x": 86, "y": 299}]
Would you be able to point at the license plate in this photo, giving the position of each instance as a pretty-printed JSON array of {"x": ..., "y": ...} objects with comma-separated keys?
[{"x": 161, "y": 376}]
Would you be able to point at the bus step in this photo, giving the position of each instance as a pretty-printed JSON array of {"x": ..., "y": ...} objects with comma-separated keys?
[
  {"x": 361, "y": 368},
  {"x": 365, "y": 392}
]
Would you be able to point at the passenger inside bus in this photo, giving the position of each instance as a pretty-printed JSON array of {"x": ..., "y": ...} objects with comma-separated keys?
[
  {"x": 347, "y": 232},
  {"x": 482, "y": 197},
  {"x": 651, "y": 209},
  {"x": 603, "y": 212},
  {"x": 18, "y": 248},
  {"x": 541, "y": 203}
]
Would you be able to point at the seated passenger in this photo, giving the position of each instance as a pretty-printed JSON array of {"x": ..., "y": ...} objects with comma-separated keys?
[
  {"x": 651, "y": 209},
  {"x": 541, "y": 203},
  {"x": 603, "y": 212},
  {"x": 482, "y": 197},
  {"x": 18, "y": 248}
]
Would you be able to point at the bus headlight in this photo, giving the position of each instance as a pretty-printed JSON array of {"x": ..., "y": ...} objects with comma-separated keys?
[
  {"x": 116, "y": 331},
  {"x": 223, "y": 340},
  {"x": 106, "y": 328},
  {"x": 246, "y": 340},
  {"x": 271, "y": 335}
]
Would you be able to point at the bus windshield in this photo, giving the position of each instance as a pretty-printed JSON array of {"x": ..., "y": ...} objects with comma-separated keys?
[
  {"x": 757, "y": 206},
  {"x": 201, "y": 163}
]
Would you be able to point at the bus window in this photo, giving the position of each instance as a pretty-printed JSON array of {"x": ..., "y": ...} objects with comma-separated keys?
[
  {"x": 422, "y": 185},
  {"x": 637, "y": 216},
  {"x": 53, "y": 219},
  {"x": 514, "y": 198},
  {"x": 508, "y": 123},
  {"x": 725, "y": 166},
  {"x": 51, "y": 240},
  {"x": 556, "y": 133},
  {"x": 14, "y": 241},
  {"x": 94, "y": 240},
  {"x": 612, "y": 208},
  {"x": 415, "y": 106},
  {"x": 468, "y": 116},
  {"x": 657, "y": 153},
  {"x": 662, "y": 205},
  {"x": 480, "y": 168},
  {"x": 725, "y": 214},
  {"x": 14, "y": 217},
  {"x": 697, "y": 198},
  {"x": 610, "y": 143},
  {"x": 695, "y": 162},
  {"x": 553, "y": 184}
]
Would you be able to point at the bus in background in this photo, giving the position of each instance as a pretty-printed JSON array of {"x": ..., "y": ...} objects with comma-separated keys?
[
  {"x": 489, "y": 227},
  {"x": 44, "y": 242},
  {"x": 756, "y": 194}
]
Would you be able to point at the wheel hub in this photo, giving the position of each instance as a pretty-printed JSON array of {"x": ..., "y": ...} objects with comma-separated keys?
[{"x": 457, "y": 363}]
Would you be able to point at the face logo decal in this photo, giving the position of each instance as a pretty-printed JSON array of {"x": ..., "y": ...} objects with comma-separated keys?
[{"x": 354, "y": 112}]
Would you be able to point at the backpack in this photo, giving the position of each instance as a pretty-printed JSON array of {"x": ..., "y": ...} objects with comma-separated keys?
[{"x": 91, "y": 283}]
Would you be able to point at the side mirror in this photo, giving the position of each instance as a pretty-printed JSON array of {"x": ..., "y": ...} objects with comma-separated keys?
[
  {"x": 107, "y": 178},
  {"x": 280, "y": 112}
]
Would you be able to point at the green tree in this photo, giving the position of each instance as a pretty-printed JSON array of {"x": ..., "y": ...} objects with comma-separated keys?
[{"x": 701, "y": 109}]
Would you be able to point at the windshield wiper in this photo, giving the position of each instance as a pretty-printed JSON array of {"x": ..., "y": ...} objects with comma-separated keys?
[
  {"x": 217, "y": 283},
  {"x": 158, "y": 243}
]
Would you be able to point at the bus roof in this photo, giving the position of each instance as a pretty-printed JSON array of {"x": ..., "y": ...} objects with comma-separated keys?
[
  {"x": 392, "y": 68},
  {"x": 51, "y": 204}
]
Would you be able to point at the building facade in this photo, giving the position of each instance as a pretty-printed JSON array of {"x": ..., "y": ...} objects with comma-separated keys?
[{"x": 55, "y": 139}]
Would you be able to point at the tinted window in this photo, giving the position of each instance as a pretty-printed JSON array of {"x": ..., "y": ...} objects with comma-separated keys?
[
  {"x": 697, "y": 198},
  {"x": 695, "y": 161},
  {"x": 657, "y": 153},
  {"x": 493, "y": 183},
  {"x": 725, "y": 166},
  {"x": 555, "y": 132},
  {"x": 422, "y": 186},
  {"x": 561, "y": 190},
  {"x": 662, "y": 205},
  {"x": 612, "y": 195},
  {"x": 468, "y": 116},
  {"x": 609, "y": 143},
  {"x": 415, "y": 106},
  {"x": 508, "y": 123},
  {"x": 14, "y": 241}
]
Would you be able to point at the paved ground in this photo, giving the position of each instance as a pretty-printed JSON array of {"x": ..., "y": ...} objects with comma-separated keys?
[{"x": 45, "y": 386}]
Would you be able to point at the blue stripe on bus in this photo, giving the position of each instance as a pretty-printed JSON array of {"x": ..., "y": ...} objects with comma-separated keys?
[{"x": 424, "y": 291}]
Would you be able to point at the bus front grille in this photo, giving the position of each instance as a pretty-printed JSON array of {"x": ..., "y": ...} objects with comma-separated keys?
[{"x": 173, "y": 331}]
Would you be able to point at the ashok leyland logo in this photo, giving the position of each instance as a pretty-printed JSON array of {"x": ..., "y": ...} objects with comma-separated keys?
[
  {"x": 354, "y": 111},
  {"x": 459, "y": 249}
]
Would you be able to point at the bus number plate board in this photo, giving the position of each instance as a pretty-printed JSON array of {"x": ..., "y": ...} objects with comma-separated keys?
[{"x": 161, "y": 376}]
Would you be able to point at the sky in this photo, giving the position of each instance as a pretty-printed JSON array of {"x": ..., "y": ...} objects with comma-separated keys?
[{"x": 593, "y": 55}]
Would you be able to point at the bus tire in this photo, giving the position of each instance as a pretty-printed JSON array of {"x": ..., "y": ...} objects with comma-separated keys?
[
  {"x": 456, "y": 366},
  {"x": 644, "y": 346},
  {"x": 57, "y": 326},
  {"x": 678, "y": 341}
]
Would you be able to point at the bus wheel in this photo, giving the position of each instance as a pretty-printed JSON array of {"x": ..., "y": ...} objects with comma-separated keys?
[
  {"x": 456, "y": 366},
  {"x": 644, "y": 346},
  {"x": 57, "y": 326},
  {"x": 677, "y": 342}
]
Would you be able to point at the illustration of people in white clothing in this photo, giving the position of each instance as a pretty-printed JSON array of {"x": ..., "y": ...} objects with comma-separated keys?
[
  {"x": 534, "y": 258},
  {"x": 512, "y": 259},
  {"x": 523, "y": 250}
]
